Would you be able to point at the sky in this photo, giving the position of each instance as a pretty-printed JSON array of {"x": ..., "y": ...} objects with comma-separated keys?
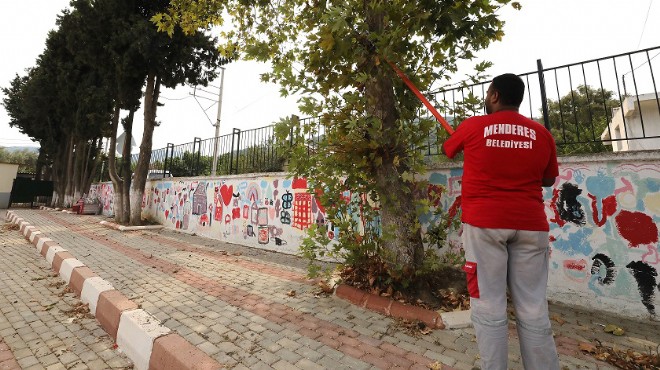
[{"x": 556, "y": 31}]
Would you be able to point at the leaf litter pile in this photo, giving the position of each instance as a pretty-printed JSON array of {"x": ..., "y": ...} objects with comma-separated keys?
[
  {"x": 623, "y": 359},
  {"x": 445, "y": 291},
  {"x": 79, "y": 311},
  {"x": 9, "y": 227}
]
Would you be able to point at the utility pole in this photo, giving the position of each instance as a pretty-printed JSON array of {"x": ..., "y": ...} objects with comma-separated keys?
[{"x": 217, "y": 123}]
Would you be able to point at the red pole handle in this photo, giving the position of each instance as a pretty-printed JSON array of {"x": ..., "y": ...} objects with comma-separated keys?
[{"x": 421, "y": 97}]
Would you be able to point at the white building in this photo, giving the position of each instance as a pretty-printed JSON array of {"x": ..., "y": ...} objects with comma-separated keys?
[{"x": 627, "y": 124}]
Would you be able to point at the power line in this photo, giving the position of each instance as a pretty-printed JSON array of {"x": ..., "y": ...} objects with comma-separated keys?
[
  {"x": 639, "y": 66},
  {"x": 166, "y": 98},
  {"x": 648, "y": 11}
]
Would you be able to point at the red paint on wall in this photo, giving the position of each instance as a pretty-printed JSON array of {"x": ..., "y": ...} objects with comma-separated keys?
[
  {"x": 299, "y": 183},
  {"x": 608, "y": 205},
  {"x": 434, "y": 194},
  {"x": 553, "y": 205},
  {"x": 453, "y": 210},
  {"x": 578, "y": 265},
  {"x": 637, "y": 228}
]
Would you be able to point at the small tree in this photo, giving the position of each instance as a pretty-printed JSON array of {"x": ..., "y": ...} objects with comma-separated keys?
[{"x": 336, "y": 54}]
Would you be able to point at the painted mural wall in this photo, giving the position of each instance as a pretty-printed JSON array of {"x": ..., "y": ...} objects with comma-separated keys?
[
  {"x": 603, "y": 212},
  {"x": 270, "y": 212}
]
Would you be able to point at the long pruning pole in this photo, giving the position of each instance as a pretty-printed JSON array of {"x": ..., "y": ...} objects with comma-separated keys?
[{"x": 421, "y": 97}]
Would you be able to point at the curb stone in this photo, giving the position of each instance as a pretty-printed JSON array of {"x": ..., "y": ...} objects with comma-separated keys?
[
  {"x": 393, "y": 308},
  {"x": 141, "y": 336}
]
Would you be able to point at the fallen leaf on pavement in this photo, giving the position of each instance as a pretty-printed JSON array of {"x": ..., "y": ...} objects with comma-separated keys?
[
  {"x": 623, "y": 359},
  {"x": 587, "y": 347},
  {"x": 435, "y": 366},
  {"x": 291, "y": 293},
  {"x": 611, "y": 328},
  {"x": 558, "y": 319}
]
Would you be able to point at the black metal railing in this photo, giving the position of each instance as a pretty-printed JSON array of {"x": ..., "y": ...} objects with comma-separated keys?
[
  {"x": 587, "y": 106},
  {"x": 242, "y": 151}
]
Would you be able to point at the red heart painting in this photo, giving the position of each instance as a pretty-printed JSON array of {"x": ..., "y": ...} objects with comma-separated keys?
[{"x": 227, "y": 192}]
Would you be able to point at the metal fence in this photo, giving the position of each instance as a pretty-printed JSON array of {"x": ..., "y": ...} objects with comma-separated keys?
[
  {"x": 242, "y": 151},
  {"x": 588, "y": 106}
]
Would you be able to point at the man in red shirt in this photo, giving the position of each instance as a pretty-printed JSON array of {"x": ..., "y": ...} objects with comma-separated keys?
[{"x": 507, "y": 159}]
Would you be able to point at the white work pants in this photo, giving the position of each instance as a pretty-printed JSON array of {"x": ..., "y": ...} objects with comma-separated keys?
[{"x": 497, "y": 258}]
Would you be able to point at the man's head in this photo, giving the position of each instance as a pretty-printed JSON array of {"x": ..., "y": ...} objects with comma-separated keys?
[{"x": 506, "y": 92}]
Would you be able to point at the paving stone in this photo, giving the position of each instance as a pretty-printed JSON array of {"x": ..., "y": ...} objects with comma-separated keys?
[
  {"x": 288, "y": 355},
  {"x": 28, "y": 361},
  {"x": 236, "y": 308}
]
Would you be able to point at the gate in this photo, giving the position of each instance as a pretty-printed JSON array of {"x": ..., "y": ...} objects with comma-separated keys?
[{"x": 25, "y": 190}]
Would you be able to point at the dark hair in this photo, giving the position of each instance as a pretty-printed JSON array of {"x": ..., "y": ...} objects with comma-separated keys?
[{"x": 511, "y": 89}]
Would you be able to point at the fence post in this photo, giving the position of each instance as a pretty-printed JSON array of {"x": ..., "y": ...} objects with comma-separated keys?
[
  {"x": 235, "y": 144},
  {"x": 168, "y": 156},
  {"x": 191, "y": 164},
  {"x": 195, "y": 155},
  {"x": 544, "y": 100},
  {"x": 296, "y": 123}
]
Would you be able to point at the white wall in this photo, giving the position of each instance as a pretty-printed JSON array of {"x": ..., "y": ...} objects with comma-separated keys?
[{"x": 7, "y": 176}]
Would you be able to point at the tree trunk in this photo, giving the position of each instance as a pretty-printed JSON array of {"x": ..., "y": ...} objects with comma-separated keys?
[
  {"x": 80, "y": 150},
  {"x": 59, "y": 167},
  {"x": 40, "y": 165},
  {"x": 68, "y": 177},
  {"x": 152, "y": 92},
  {"x": 84, "y": 166},
  {"x": 399, "y": 220},
  {"x": 95, "y": 159},
  {"x": 117, "y": 182},
  {"x": 126, "y": 167}
]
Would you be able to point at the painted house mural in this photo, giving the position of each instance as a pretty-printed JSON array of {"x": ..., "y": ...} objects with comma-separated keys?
[{"x": 603, "y": 213}]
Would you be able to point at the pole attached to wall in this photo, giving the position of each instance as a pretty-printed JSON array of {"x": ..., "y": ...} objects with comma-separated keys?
[
  {"x": 169, "y": 153},
  {"x": 544, "y": 100},
  {"x": 217, "y": 123}
]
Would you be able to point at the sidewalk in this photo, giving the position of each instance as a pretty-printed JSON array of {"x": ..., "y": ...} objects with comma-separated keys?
[{"x": 246, "y": 308}]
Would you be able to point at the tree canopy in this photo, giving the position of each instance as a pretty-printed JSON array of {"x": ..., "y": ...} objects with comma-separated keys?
[{"x": 104, "y": 57}]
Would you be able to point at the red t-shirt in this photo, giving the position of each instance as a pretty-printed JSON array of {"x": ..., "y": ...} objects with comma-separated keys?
[{"x": 506, "y": 157}]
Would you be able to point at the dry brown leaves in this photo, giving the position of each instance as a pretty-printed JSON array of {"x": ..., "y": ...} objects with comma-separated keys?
[
  {"x": 623, "y": 359},
  {"x": 435, "y": 366},
  {"x": 10, "y": 227},
  {"x": 64, "y": 291},
  {"x": 324, "y": 289},
  {"x": 56, "y": 284},
  {"x": 373, "y": 278},
  {"x": 414, "y": 328},
  {"x": 79, "y": 311},
  {"x": 453, "y": 301},
  {"x": 558, "y": 319}
]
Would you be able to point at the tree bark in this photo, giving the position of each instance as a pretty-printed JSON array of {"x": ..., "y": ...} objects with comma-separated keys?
[
  {"x": 79, "y": 152},
  {"x": 59, "y": 167},
  {"x": 38, "y": 176},
  {"x": 405, "y": 250},
  {"x": 152, "y": 92},
  {"x": 117, "y": 181},
  {"x": 68, "y": 177},
  {"x": 126, "y": 168},
  {"x": 95, "y": 161}
]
